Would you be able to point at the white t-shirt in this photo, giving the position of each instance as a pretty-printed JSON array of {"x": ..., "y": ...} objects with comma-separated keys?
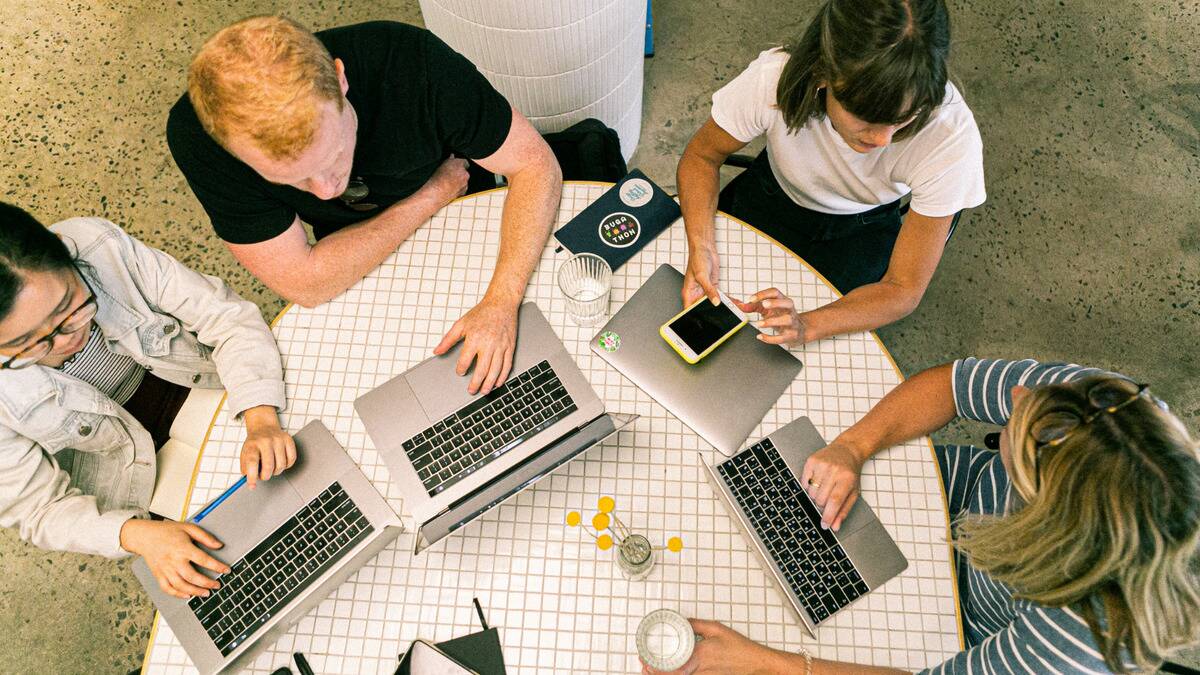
[{"x": 942, "y": 165}]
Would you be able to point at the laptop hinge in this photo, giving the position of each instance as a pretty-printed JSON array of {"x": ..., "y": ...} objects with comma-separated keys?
[{"x": 512, "y": 481}]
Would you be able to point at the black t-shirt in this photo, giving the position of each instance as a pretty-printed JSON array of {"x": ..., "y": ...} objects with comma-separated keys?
[{"x": 417, "y": 102}]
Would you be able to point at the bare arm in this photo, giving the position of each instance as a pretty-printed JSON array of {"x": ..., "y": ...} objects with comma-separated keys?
[
  {"x": 699, "y": 180},
  {"x": 918, "y": 406},
  {"x": 310, "y": 275},
  {"x": 489, "y": 330},
  {"x": 534, "y": 188},
  {"x": 914, "y": 259},
  {"x": 724, "y": 651}
]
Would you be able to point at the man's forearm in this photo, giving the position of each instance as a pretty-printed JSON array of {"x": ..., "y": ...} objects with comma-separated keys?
[
  {"x": 916, "y": 407},
  {"x": 699, "y": 186},
  {"x": 864, "y": 308},
  {"x": 525, "y": 223},
  {"x": 341, "y": 259}
]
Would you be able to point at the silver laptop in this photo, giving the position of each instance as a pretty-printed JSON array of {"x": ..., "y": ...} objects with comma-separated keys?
[
  {"x": 454, "y": 456},
  {"x": 290, "y": 542},
  {"x": 722, "y": 398},
  {"x": 820, "y": 572}
]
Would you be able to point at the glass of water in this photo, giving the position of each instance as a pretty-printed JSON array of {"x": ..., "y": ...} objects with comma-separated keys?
[
  {"x": 665, "y": 640},
  {"x": 585, "y": 281}
]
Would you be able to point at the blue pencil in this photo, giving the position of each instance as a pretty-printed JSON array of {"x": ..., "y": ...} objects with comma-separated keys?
[{"x": 217, "y": 502}]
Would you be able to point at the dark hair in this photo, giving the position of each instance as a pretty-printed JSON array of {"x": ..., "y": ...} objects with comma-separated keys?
[
  {"x": 26, "y": 246},
  {"x": 884, "y": 60}
]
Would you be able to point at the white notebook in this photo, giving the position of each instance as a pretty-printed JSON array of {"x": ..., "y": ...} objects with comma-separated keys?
[{"x": 178, "y": 456}]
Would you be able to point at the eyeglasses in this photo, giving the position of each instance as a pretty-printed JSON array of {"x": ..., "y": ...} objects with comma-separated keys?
[
  {"x": 76, "y": 321},
  {"x": 1054, "y": 428},
  {"x": 356, "y": 191}
]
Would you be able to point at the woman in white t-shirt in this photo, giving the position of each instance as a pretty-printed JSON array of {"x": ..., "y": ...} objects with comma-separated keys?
[{"x": 857, "y": 114}]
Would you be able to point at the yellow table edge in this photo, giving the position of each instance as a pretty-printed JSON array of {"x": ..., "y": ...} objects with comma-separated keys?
[{"x": 936, "y": 467}]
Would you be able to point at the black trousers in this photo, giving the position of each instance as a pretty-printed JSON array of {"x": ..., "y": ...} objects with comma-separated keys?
[
  {"x": 848, "y": 250},
  {"x": 155, "y": 403}
]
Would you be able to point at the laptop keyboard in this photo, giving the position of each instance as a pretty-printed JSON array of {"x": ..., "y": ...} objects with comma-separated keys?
[
  {"x": 789, "y": 524},
  {"x": 280, "y": 567},
  {"x": 488, "y": 427}
]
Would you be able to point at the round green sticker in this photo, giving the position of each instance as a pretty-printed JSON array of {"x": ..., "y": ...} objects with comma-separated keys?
[{"x": 609, "y": 341}]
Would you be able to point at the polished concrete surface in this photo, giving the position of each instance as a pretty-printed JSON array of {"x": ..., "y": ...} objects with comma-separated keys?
[{"x": 1088, "y": 248}]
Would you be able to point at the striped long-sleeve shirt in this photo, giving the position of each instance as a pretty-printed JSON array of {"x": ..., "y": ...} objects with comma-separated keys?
[{"x": 1004, "y": 634}]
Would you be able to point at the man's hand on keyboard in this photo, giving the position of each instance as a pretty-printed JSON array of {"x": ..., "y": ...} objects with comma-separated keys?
[
  {"x": 831, "y": 479},
  {"x": 489, "y": 335},
  {"x": 268, "y": 449},
  {"x": 170, "y": 551}
]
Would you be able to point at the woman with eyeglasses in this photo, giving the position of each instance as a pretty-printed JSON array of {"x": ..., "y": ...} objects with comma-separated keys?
[
  {"x": 101, "y": 339},
  {"x": 1077, "y": 539}
]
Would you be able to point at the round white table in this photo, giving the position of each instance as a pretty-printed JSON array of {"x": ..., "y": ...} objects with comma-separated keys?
[{"x": 560, "y": 602}]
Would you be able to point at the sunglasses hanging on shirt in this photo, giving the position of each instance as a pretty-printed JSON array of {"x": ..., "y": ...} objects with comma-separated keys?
[{"x": 356, "y": 191}]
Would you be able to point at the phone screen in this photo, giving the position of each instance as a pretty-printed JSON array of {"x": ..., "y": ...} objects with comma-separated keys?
[{"x": 704, "y": 324}]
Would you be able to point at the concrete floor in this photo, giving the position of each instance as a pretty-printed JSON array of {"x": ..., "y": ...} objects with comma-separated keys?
[{"x": 1087, "y": 249}]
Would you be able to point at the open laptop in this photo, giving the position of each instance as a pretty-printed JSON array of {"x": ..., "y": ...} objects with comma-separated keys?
[
  {"x": 723, "y": 397},
  {"x": 454, "y": 455},
  {"x": 820, "y": 572},
  {"x": 290, "y": 542}
]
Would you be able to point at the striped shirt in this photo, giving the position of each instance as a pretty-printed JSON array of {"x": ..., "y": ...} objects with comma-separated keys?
[
  {"x": 1004, "y": 634},
  {"x": 115, "y": 375}
]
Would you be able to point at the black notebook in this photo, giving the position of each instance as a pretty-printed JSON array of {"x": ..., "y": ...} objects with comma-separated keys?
[{"x": 623, "y": 220}]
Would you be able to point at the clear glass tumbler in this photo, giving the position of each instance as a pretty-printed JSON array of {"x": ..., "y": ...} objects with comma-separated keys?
[
  {"x": 665, "y": 640},
  {"x": 585, "y": 281}
]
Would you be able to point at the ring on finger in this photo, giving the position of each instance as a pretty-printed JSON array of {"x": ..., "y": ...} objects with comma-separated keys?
[{"x": 814, "y": 483}]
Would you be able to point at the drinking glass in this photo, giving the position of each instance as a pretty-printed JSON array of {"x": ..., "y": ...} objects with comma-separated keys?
[
  {"x": 585, "y": 281},
  {"x": 665, "y": 640}
]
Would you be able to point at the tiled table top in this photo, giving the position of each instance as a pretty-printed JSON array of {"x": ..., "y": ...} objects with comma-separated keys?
[{"x": 561, "y": 604}]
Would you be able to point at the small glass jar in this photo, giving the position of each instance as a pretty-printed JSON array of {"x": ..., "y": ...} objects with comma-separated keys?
[{"x": 635, "y": 557}]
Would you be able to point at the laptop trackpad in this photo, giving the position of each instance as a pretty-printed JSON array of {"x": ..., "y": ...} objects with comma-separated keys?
[
  {"x": 438, "y": 388},
  {"x": 247, "y": 516}
]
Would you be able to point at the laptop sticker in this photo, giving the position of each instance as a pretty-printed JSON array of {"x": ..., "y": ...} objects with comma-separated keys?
[
  {"x": 636, "y": 192},
  {"x": 619, "y": 230},
  {"x": 609, "y": 341}
]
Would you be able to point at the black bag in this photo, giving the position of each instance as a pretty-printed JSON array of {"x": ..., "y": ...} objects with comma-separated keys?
[{"x": 588, "y": 150}]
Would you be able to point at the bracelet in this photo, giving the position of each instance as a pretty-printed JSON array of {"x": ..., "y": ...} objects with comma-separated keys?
[{"x": 807, "y": 660}]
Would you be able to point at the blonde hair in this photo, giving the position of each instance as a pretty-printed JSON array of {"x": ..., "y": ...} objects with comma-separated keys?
[
  {"x": 263, "y": 78},
  {"x": 1110, "y": 525}
]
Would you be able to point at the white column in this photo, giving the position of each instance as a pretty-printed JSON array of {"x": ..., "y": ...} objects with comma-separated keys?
[{"x": 557, "y": 61}]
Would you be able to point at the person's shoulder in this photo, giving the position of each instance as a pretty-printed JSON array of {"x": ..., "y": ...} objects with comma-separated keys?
[
  {"x": 770, "y": 62},
  {"x": 757, "y": 82},
  {"x": 187, "y": 138},
  {"x": 372, "y": 34},
  {"x": 182, "y": 121},
  {"x": 87, "y": 230},
  {"x": 952, "y": 116},
  {"x": 95, "y": 240}
]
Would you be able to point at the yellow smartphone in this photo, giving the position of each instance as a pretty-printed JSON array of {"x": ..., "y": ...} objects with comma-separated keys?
[{"x": 696, "y": 331}]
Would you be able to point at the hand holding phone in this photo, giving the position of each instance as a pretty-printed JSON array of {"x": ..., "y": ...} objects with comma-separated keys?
[{"x": 700, "y": 328}]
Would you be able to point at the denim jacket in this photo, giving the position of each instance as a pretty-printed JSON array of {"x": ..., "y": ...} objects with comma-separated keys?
[{"x": 74, "y": 465}]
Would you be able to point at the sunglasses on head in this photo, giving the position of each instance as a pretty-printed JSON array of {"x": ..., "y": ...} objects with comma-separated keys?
[{"x": 1053, "y": 428}]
